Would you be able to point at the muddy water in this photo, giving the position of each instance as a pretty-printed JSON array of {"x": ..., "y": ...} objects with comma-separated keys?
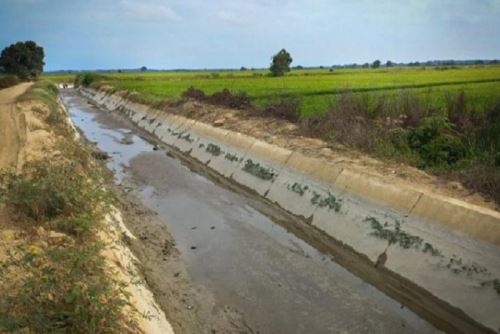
[{"x": 276, "y": 281}]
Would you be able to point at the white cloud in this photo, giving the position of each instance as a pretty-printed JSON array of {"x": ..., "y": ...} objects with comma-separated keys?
[
  {"x": 229, "y": 17},
  {"x": 150, "y": 11}
]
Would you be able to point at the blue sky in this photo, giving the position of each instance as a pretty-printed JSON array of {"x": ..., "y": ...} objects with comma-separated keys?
[{"x": 100, "y": 34}]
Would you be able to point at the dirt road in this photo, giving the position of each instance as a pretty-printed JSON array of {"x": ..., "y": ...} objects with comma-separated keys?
[{"x": 12, "y": 127}]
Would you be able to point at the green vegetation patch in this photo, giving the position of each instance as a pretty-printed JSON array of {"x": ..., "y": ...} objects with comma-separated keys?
[
  {"x": 50, "y": 191},
  {"x": 329, "y": 201},
  {"x": 231, "y": 157},
  {"x": 298, "y": 188},
  {"x": 213, "y": 149},
  {"x": 394, "y": 236},
  {"x": 259, "y": 171},
  {"x": 64, "y": 289},
  {"x": 7, "y": 81},
  {"x": 186, "y": 137}
]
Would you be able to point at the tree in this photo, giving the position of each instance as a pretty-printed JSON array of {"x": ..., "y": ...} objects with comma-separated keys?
[
  {"x": 389, "y": 63},
  {"x": 281, "y": 63},
  {"x": 376, "y": 64},
  {"x": 144, "y": 69},
  {"x": 24, "y": 59}
]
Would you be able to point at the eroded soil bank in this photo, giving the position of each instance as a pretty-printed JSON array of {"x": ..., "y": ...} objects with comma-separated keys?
[{"x": 229, "y": 267}]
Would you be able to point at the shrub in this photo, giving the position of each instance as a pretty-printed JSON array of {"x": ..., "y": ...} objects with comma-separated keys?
[
  {"x": 429, "y": 129},
  {"x": 86, "y": 79},
  {"x": 444, "y": 150},
  {"x": 348, "y": 121},
  {"x": 436, "y": 143},
  {"x": 46, "y": 192},
  {"x": 482, "y": 178},
  {"x": 287, "y": 108},
  {"x": 193, "y": 93},
  {"x": 488, "y": 137},
  {"x": 76, "y": 226},
  {"x": 224, "y": 98},
  {"x": 64, "y": 290},
  {"x": 8, "y": 81}
]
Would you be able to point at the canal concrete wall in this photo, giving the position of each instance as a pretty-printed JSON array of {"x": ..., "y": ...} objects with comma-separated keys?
[{"x": 446, "y": 246}]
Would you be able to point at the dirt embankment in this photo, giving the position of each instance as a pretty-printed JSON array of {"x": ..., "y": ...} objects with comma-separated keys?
[
  {"x": 13, "y": 127},
  {"x": 288, "y": 135},
  {"x": 38, "y": 145}
]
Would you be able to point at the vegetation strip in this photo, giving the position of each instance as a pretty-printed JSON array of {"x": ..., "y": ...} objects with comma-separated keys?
[{"x": 64, "y": 283}]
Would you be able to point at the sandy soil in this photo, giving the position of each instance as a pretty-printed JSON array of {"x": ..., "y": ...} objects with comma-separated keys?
[
  {"x": 12, "y": 135},
  {"x": 12, "y": 127}
]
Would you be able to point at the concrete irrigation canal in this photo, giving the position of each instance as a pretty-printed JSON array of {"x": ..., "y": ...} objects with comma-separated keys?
[{"x": 256, "y": 259}]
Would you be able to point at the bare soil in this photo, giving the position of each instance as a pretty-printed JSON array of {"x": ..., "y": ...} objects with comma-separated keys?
[{"x": 13, "y": 127}]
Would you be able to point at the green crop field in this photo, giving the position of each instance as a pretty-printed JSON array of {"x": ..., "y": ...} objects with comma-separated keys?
[{"x": 315, "y": 89}]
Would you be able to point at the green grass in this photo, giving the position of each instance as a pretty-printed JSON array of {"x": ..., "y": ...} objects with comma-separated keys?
[{"x": 316, "y": 88}]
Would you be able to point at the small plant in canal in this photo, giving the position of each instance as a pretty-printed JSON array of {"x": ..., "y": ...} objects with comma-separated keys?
[
  {"x": 457, "y": 265},
  {"x": 298, "y": 188},
  {"x": 330, "y": 201},
  {"x": 394, "y": 236},
  {"x": 257, "y": 170},
  {"x": 495, "y": 284},
  {"x": 231, "y": 157},
  {"x": 186, "y": 137},
  {"x": 428, "y": 248},
  {"x": 213, "y": 150}
]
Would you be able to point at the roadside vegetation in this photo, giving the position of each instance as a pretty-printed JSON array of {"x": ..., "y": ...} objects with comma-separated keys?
[
  {"x": 21, "y": 61},
  {"x": 55, "y": 279},
  {"x": 445, "y": 120}
]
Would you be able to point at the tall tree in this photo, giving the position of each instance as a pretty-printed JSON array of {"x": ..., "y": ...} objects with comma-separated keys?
[
  {"x": 24, "y": 59},
  {"x": 280, "y": 63},
  {"x": 376, "y": 64}
]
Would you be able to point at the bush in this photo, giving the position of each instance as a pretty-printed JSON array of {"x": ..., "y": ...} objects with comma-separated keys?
[
  {"x": 78, "y": 226},
  {"x": 64, "y": 290},
  {"x": 348, "y": 121},
  {"x": 429, "y": 129},
  {"x": 239, "y": 100},
  {"x": 224, "y": 98},
  {"x": 87, "y": 79},
  {"x": 482, "y": 178},
  {"x": 287, "y": 108},
  {"x": 488, "y": 137},
  {"x": 444, "y": 150},
  {"x": 436, "y": 143},
  {"x": 193, "y": 93},
  {"x": 8, "y": 81},
  {"x": 46, "y": 192}
]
